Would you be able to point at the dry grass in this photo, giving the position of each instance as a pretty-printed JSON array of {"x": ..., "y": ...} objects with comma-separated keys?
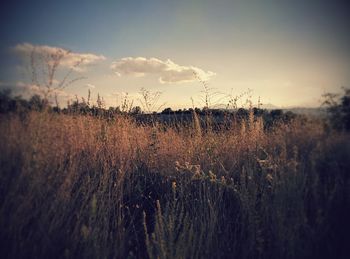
[{"x": 78, "y": 186}]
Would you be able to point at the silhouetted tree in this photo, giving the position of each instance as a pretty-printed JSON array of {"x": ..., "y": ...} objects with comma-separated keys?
[
  {"x": 258, "y": 111},
  {"x": 338, "y": 109},
  {"x": 6, "y": 102},
  {"x": 167, "y": 111},
  {"x": 37, "y": 103},
  {"x": 136, "y": 110},
  {"x": 276, "y": 114},
  {"x": 242, "y": 113}
]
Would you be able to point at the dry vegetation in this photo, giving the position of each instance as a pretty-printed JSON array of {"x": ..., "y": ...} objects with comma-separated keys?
[{"x": 87, "y": 187}]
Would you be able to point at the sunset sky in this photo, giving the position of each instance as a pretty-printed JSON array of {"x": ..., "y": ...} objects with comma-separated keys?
[{"x": 287, "y": 52}]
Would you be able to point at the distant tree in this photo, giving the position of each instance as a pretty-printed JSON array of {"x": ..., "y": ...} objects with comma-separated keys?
[
  {"x": 258, "y": 111},
  {"x": 242, "y": 113},
  {"x": 6, "y": 101},
  {"x": 197, "y": 110},
  {"x": 37, "y": 103},
  {"x": 217, "y": 112},
  {"x": 289, "y": 115},
  {"x": 116, "y": 109},
  {"x": 136, "y": 110},
  {"x": 167, "y": 111},
  {"x": 113, "y": 110},
  {"x": 276, "y": 114},
  {"x": 187, "y": 111},
  {"x": 10, "y": 103},
  {"x": 338, "y": 109}
]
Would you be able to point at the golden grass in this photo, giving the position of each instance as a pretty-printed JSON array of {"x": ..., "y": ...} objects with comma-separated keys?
[{"x": 81, "y": 186}]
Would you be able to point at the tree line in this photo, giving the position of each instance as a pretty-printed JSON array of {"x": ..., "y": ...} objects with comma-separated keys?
[{"x": 337, "y": 106}]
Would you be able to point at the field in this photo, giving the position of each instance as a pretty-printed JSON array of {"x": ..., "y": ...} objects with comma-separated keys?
[{"x": 74, "y": 186}]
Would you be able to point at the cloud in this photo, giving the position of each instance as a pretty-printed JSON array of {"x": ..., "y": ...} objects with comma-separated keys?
[
  {"x": 91, "y": 86},
  {"x": 168, "y": 71},
  {"x": 28, "y": 90},
  {"x": 69, "y": 60}
]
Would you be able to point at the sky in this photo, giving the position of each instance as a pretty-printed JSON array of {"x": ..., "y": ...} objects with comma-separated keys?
[{"x": 285, "y": 53}]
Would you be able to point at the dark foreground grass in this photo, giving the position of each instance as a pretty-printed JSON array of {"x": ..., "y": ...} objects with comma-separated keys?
[{"x": 83, "y": 187}]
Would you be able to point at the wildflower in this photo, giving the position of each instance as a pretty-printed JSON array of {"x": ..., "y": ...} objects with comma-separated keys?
[
  {"x": 212, "y": 176},
  {"x": 269, "y": 177}
]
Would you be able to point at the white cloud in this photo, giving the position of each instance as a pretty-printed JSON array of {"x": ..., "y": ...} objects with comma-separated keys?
[
  {"x": 121, "y": 96},
  {"x": 91, "y": 86},
  {"x": 28, "y": 90},
  {"x": 168, "y": 71},
  {"x": 69, "y": 60}
]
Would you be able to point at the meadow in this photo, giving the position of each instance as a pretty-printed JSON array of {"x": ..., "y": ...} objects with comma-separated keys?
[{"x": 82, "y": 186}]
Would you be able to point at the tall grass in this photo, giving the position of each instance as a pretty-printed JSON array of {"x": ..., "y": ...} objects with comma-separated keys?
[{"x": 84, "y": 187}]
